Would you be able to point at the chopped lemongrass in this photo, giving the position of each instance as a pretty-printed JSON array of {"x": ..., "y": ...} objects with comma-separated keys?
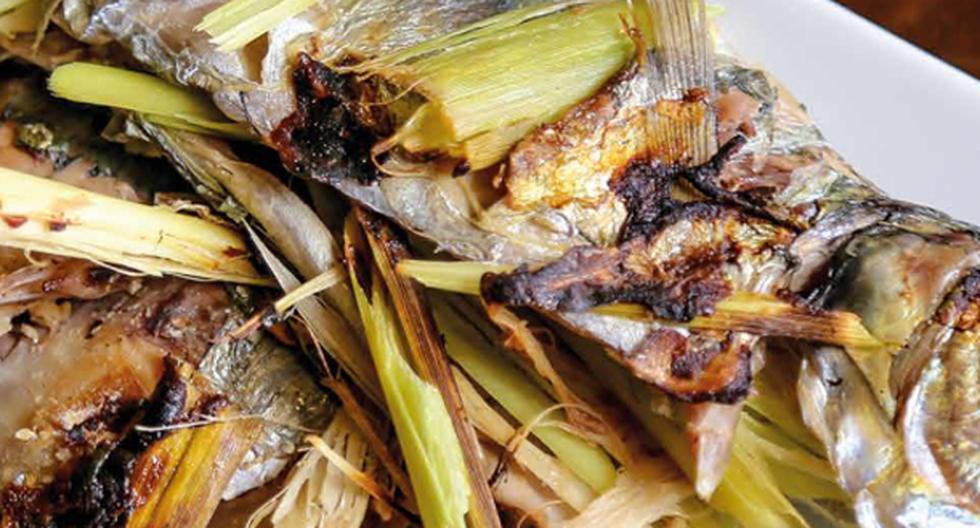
[
  {"x": 310, "y": 288},
  {"x": 765, "y": 315},
  {"x": 318, "y": 493},
  {"x": 550, "y": 471},
  {"x": 740, "y": 312},
  {"x": 428, "y": 354},
  {"x": 646, "y": 491},
  {"x": 239, "y": 22},
  {"x": 480, "y": 358},
  {"x": 45, "y": 215},
  {"x": 422, "y": 423},
  {"x": 460, "y": 277},
  {"x": 492, "y": 82},
  {"x": 22, "y": 19},
  {"x": 157, "y": 100}
]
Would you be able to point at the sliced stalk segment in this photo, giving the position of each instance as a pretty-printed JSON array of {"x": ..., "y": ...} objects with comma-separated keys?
[
  {"x": 44, "y": 215},
  {"x": 239, "y": 22},
  {"x": 741, "y": 312},
  {"x": 480, "y": 358},
  {"x": 491, "y": 83},
  {"x": 157, "y": 100},
  {"x": 422, "y": 422},
  {"x": 429, "y": 356}
]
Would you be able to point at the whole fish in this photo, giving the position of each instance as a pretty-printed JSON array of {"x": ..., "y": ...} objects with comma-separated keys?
[{"x": 625, "y": 197}]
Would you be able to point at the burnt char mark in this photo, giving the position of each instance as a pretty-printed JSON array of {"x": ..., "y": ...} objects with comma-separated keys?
[
  {"x": 324, "y": 138},
  {"x": 648, "y": 269},
  {"x": 705, "y": 178},
  {"x": 696, "y": 368},
  {"x": 645, "y": 190},
  {"x": 165, "y": 406},
  {"x": 96, "y": 491}
]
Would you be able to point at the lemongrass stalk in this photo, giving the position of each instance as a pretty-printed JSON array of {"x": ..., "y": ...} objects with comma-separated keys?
[
  {"x": 161, "y": 460},
  {"x": 428, "y": 355},
  {"x": 774, "y": 398},
  {"x": 765, "y": 315},
  {"x": 422, "y": 423},
  {"x": 310, "y": 288},
  {"x": 546, "y": 468},
  {"x": 156, "y": 99},
  {"x": 53, "y": 217},
  {"x": 235, "y": 24},
  {"x": 740, "y": 312},
  {"x": 521, "y": 397},
  {"x": 798, "y": 472},
  {"x": 491, "y": 83},
  {"x": 194, "y": 490},
  {"x": 459, "y": 277}
]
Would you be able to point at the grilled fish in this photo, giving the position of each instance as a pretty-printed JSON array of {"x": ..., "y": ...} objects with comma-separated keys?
[{"x": 623, "y": 198}]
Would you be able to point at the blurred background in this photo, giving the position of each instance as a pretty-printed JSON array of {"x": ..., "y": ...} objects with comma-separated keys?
[{"x": 949, "y": 29}]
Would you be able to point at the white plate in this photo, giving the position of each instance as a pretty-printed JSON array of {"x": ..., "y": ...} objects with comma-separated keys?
[{"x": 904, "y": 119}]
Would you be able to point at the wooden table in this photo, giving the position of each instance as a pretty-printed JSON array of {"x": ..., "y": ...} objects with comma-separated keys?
[{"x": 949, "y": 29}]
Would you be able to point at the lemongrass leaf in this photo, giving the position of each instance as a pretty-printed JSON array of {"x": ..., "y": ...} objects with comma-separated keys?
[
  {"x": 309, "y": 288},
  {"x": 422, "y": 423},
  {"x": 45, "y": 215}
]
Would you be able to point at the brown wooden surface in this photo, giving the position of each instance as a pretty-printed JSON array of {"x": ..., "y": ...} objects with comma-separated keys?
[{"x": 949, "y": 29}]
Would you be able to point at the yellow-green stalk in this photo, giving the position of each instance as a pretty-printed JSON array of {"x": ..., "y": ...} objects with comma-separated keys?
[
  {"x": 740, "y": 312},
  {"x": 521, "y": 397},
  {"x": 491, "y": 83},
  {"x": 53, "y": 217},
  {"x": 155, "y": 99},
  {"x": 422, "y": 423},
  {"x": 236, "y": 23}
]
